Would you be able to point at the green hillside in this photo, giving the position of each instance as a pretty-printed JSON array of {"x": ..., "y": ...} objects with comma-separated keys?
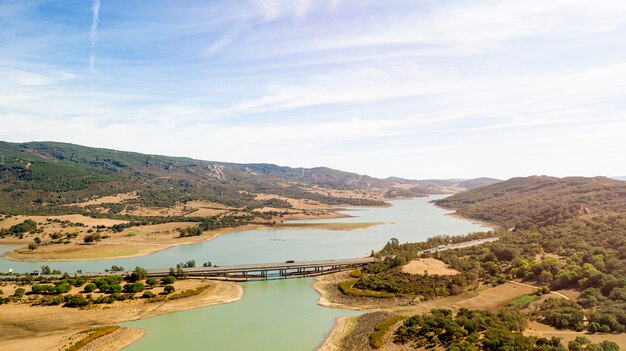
[
  {"x": 41, "y": 177},
  {"x": 540, "y": 200}
]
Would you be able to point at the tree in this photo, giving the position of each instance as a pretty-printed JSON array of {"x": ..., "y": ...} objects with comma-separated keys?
[
  {"x": 115, "y": 268},
  {"x": 32, "y": 246},
  {"x": 180, "y": 273},
  {"x": 138, "y": 274},
  {"x": 37, "y": 240},
  {"x": 19, "y": 293},
  {"x": 92, "y": 238},
  {"x": 45, "y": 270}
]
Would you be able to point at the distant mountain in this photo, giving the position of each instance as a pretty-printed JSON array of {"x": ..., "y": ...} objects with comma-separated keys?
[
  {"x": 42, "y": 177},
  {"x": 619, "y": 177},
  {"x": 540, "y": 199},
  {"x": 435, "y": 186}
]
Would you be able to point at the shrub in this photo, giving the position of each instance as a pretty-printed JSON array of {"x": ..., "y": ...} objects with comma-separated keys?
[
  {"x": 168, "y": 280},
  {"x": 90, "y": 287},
  {"x": 134, "y": 287},
  {"x": 356, "y": 273},
  {"x": 348, "y": 289},
  {"x": 148, "y": 295},
  {"x": 169, "y": 289},
  {"x": 77, "y": 300},
  {"x": 376, "y": 337}
]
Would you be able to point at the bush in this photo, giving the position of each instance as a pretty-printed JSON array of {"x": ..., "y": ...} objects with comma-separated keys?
[
  {"x": 347, "y": 289},
  {"x": 168, "y": 280},
  {"x": 356, "y": 273},
  {"x": 376, "y": 337},
  {"x": 63, "y": 288},
  {"x": 19, "y": 293},
  {"x": 151, "y": 281},
  {"x": 169, "y": 289},
  {"x": 134, "y": 287},
  {"x": 148, "y": 295},
  {"x": 77, "y": 300},
  {"x": 90, "y": 287}
]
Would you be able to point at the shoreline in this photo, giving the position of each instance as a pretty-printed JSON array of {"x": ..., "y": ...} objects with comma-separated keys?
[
  {"x": 55, "y": 325},
  {"x": 194, "y": 240},
  {"x": 453, "y": 213},
  {"x": 13, "y": 255}
]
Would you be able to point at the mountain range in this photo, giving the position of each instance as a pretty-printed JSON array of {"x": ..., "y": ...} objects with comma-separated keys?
[{"x": 44, "y": 177}]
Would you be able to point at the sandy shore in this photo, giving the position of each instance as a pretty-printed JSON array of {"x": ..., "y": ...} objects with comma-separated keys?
[
  {"x": 52, "y": 326},
  {"x": 146, "y": 240},
  {"x": 117, "y": 247},
  {"x": 334, "y": 340},
  {"x": 487, "y": 225}
]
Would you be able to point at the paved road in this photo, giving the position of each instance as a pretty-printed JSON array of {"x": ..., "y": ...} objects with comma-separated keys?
[{"x": 460, "y": 245}]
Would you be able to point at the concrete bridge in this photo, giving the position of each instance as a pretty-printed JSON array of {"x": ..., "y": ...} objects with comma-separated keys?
[{"x": 286, "y": 269}]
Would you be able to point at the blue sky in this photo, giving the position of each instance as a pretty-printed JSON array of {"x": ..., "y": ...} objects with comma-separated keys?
[{"x": 418, "y": 89}]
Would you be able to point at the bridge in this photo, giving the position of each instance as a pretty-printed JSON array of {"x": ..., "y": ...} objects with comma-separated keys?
[{"x": 288, "y": 269}]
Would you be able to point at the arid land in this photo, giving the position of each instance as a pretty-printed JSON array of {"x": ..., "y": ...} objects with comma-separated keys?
[
  {"x": 62, "y": 238},
  {"x": 52, "y": 327}
]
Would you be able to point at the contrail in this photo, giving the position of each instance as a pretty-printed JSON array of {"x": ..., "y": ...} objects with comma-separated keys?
[{"x": 94, "y": 30}]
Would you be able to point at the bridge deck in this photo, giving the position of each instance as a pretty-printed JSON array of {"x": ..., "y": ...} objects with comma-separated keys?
[{"x": 264, "y": 267}]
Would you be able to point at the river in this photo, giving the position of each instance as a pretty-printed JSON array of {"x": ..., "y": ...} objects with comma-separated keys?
[{"x": 273, "y": 315}]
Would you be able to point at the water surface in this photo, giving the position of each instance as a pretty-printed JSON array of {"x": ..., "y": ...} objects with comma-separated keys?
[
  {"x": 409, "y": 220},
  {"x": 273, "y": 315}
]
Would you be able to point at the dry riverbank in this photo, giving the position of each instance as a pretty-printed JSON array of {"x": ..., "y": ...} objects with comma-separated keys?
[
  {"x": 146, "y": 240},
  {"x": 51, "y": 326}
]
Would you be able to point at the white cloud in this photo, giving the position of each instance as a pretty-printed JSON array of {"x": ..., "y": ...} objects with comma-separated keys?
[
  {"x": 94, "y": 31},
  {"x": 464, "y": 89}
]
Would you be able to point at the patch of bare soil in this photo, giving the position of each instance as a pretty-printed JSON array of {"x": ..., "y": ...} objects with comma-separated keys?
[
  {"x": 430, "y": 266},
  {"x": 546, "y": 331}
]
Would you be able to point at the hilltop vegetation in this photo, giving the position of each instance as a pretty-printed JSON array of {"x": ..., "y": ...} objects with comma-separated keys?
[
  {"x": 559, "y": 234},
  {"x": 535, "y": 202},
  {"x": 39, "y": 178},
  {"x": 44, "y": 177}
]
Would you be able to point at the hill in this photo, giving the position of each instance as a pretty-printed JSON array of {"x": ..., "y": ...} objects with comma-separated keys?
[
  {"x": 44, "y": 177},
  {"x": 561, "y": 234},
  {"x": 540, "y": 200}
]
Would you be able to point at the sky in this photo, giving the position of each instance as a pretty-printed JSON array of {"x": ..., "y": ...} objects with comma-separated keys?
[{"x": 416, "y": 89}]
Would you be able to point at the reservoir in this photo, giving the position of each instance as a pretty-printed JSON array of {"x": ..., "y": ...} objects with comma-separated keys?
[{"x": 273, "y": 315}]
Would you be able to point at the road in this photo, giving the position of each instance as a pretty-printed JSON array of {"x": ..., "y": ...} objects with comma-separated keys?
[{"x": 459, "y": 245}]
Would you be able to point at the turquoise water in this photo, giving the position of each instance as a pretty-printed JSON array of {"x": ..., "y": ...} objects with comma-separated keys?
[
  {"x": 273, "y": 315},
  {"x": 412, "y": 220},
  {"x": 280, "y": 315}
]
